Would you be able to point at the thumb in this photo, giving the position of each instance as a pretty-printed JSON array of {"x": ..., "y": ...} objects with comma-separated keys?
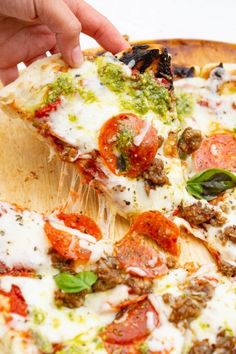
[{"x": 61, "y": 21}]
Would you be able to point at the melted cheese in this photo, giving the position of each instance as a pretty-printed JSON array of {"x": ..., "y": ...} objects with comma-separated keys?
[
  {"x": 22, "y": 239},
  {"x": 218, "y": 114},
  {"x": 166, "y": 336},
  {"x": 219, "y": 314},
  {"x": 59, "y": 325}
]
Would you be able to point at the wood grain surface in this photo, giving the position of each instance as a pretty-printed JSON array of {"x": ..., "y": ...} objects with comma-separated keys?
[{"x": 32, "y": 178}]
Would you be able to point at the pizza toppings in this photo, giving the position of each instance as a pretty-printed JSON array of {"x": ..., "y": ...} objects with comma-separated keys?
[
  {"x": 70, "y": 283},
  {"x": 218, "y": 150},
  {"x": 159, "y": 228},
  {"x": 137, "y": 256},
  {"x": 143, "y": 57},
  {"x": 63, "y": 85},
  {"x": 225, "y": 343},
  {"x": 170, "y": 147},
  {"x": 16, "y": 271},
  {"x": 189, "y": 305},
  {"x": 73, "y": 288},
  {"x": 61, "y": 263},
  {"x": 201, "y": 347},
  {"x": 66, "y": 244},
  {"x": 198, "y": 214},
  {"x": 228, "y": 234},
  {"x": 47, "y": 109},
  {"x": 122, "y": 150},
  {"x": 110, "y": 274},
  {"x": 184, "y": 105},
  {"x": 131, "y": 324},
  {"x": 70, "y": 300},
  {"x": 190, "y": 140},
  {"x": 90, "y": 168},
  {"x": 210, "y": 183},
  {"x": 82, "y": 223},
  {"x": 17, "y": 303},
  {"x": 155, "y": 175},
  {"x": 224, "y": 267},
  {"x": 181, "y": 72},
  {"x": 136, "y": 92},
  {"x": 69, "y": 243}
]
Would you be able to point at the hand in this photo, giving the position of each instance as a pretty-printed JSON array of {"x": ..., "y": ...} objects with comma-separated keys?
[{"x": 29, "y": 28}]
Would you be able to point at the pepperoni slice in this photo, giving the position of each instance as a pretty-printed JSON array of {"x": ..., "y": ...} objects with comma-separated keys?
[
  {"x": 16, "y": 271},
  {"x": 132, "y": 324},
  {"x": 17, "y": 301},
  {"x": 159, "y": 228},
  {"x": 127, "y": 144},
  {"x": 121, "y": 349},
  {"x": 218, "y": 150},
  {"x": 46, "y": 110},
  {"x": 82, "y": 223},
  {"x": 16, "y": 304},
  {"x": 135, "y": 253},
  {"x": 67, "y": 244}
]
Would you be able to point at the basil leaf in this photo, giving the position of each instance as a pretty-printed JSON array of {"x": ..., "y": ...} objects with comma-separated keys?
[
  {"x": 75, "y": 283},
  {"x": 209, "y": 183}
]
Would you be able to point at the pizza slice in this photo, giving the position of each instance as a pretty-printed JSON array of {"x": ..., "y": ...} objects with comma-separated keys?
[
  {"x": 112, "y": 119},
  {"x": 186, "y": 313},
  {"x": 62, "y": 280},
  {"x": 207, "y": 107}
]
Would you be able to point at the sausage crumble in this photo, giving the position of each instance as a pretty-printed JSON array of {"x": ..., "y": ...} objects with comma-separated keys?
[
  {"x": 189, "y": 305},
  {"x": 198, "y": 214},
  {"x": 225, "y": 344},
  {"x": 110, "y": 275},
  {"x": 70, "y": 300},
  {"x": 189, "y": 141},
  {"x": 155, "y": 175},
  {"x": 228, "y": 234}
]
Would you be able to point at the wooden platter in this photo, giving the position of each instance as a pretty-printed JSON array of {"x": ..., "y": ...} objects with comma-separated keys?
[{"x": 31, "y": 178}]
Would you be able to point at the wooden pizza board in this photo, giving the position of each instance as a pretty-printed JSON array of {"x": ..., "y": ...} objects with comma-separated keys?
[{"x": 30, "y": 178}]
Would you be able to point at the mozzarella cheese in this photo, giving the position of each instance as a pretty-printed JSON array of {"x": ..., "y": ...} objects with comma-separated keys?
[{"x": 22, "y": 239}]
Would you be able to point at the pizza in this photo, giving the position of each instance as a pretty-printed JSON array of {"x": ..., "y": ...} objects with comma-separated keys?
[
  {"x": 158, "y": 144},
  {"x": 65, "y": 288},
  {"x": 210, "y": 170},
  {"x": 109, "y": 118}
]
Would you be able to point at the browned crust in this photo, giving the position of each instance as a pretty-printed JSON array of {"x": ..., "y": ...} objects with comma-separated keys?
[{"x": 188, "y": 52}]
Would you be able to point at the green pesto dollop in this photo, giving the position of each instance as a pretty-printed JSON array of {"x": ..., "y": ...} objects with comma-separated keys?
[
  {"x": 111, "y": 75},
  {"x": 143, "y": 348},
  {"x": 72, "y": 118},
  {"x": 146, "y": 94},
  {"x": 38, "y": 316},
  {"x": 87, "y": 95},
  {"x": 80, "y": 345},
  {"x": 42, "y": 343},
  {"x": 63, "y": 85},
  {"x": 139, "y": 93},
  {"x": 184, "y": 105},
  {"x": 66, "y": 85},
  {"x": 124, "y": 139}
]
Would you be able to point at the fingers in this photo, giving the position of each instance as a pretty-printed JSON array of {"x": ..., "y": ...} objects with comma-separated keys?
[
  {"x": 8, "y": 75},
  {"x": 28, "y": 43},
  {"x": 61, "y": 20},
  {"x": 68, "y": 21},
  {"x": 100, "y": 28},
  {"x": 42, "y": 56}
]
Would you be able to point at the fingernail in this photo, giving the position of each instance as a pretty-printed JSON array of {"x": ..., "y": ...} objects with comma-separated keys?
[{"x": 77, "y": 56}]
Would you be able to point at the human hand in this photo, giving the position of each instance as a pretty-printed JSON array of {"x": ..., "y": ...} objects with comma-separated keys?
[{"x": 29, "y": 28}]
